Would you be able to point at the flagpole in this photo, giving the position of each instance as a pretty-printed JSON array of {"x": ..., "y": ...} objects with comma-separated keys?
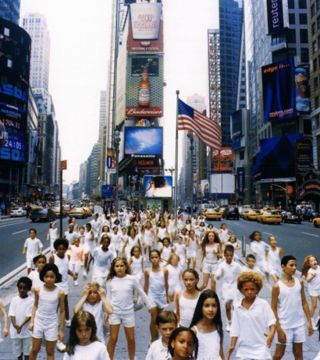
[{"x": 176, "y": 166}]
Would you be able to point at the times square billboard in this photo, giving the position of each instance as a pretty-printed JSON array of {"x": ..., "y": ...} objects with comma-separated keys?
[{"x": 15, "y": 45}]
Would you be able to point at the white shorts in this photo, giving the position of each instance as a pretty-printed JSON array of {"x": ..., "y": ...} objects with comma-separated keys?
[
  {"x": 317, "y": 356},
  {"x": 295, "y": 335},
  {"x": 314, "y": 292},
  {"x": 191, "y": 253},
  {"x": 75, "y": 267},
  {"x": 46, "y": 330},
  {"x": 158, "y": 300},
  {"x": 30, "y": 264},
  {"x": 64, "y": 287},
  {"x": 126, "y": 319},
  {"x": 21, "y": 345},
  {"x": 208, "y": 268}
]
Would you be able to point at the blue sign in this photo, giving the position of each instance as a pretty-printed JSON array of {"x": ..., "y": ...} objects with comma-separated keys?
[
  {"x": 275, "y": 16},
  {"x": 106, "y": 191}
]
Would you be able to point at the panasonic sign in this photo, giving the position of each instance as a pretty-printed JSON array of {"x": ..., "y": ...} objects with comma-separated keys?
[{"x": 275, "y": 16}]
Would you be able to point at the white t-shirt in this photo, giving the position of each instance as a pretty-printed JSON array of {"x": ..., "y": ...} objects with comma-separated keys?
[
  {"x": 97, "y": 311},
  {"x": 157, "y": 351},
  {"x": 35, "y": 277},
  {"x": 95, "y": 350},
  {"x": 20, "y": 308},
  {"x": 33, "y": 246},
  {"x": 250, "y": 325},
  {"x": 102, "y": 261}
]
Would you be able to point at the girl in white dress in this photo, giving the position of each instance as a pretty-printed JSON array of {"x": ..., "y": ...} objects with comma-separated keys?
[
  {"x": 39, "y": 261},
  {"x": 179, "y": 248},
  {"x": 89, "y": 245},
  {"x": 136, "y": 263},
  {"x": 52, "y": 235},
  {"x": 132, "y": 240},
  {"x": 174, "y": 275},
  {"x": 192, "y": 248},
  {"x": 166, "y": 249},
  {"x": 274, "y": 255},
  {"x": 171, "y": 227},
  {"x": 162, "y": 231},
  {"x": 259, "y": 249},
  {"x": 148, "y": 238},
  {"x": 83, "y": 341},
  {"x": 207, "y": 325}
]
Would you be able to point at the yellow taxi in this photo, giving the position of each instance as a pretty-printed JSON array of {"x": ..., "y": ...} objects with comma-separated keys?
[
  {"x": 88, "y": 211},
  {"x": 270, "y": 217},
  {"x": 316, "y": 222},
  {"x": 78, "y": 212},
  {"x": 251, "y": 214},
  {"x": 213, "y": 214}
]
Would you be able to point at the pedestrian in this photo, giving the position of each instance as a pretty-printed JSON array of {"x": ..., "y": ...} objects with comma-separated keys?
[
  {"x": 186, "y": 300},
  {"x": 60, "y": 259},
  {"x": 259, "y": 250},
  {"x": 120, "y": 287},
  {"x": 89, "y": 245},
  {"x": 211, "y": 249},
  {"x": 115, "y": 237},
  {"x": 191, "y": 249},
  {"x": 311, "y": 272},
  {"x": 136, "y": 263},
  {"x": 251, "y": 317},
  {"x": 174, "y": 275},
  {"x": 94, "y": 300},
  {"x": 290, "y": 308},
  {"x": 251, "y": 265},
  {"x": 162, "y": 231},
  {"x": 76, "y": 258},
  {"x": 20, "y": 312},
  {"x": 183, "y": 344},
  {"x": 70, "y": 234},
  {"x": 148, "y": 237},
  {"x": 52, "y": 235},
  {"x": 228, "y": 271},
  {"x": 96, "y": 225},
  {"x": 32, "y": 247},
  {"x": 3, "y": 313},
  {"x": 39, "y": 261},
  {"x": 103, "y": 257},
  {"x": 45, "y": 320},
  {"x": 179, "y": 248},
  {"x": 156, "y": 287},
  {"x": 166, "y": 249},
  {"x": 83, "y": 342},
  {"x": 132, "y": 240},
  {"x": 274, "y": 255},
  {"x": 166, "y": 322},
  {"x": 224, "y": 233}
]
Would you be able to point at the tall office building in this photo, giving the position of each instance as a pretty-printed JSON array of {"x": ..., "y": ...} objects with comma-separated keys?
[
  {"x": 36, "y": 26},
  {"x": 10, "y": 10},
  {"x": 230, "y": 20},
  {"x": 102, "y": 132}
]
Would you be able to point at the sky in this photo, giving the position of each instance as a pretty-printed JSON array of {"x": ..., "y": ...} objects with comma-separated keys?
[{"x": 80, "y": 32}]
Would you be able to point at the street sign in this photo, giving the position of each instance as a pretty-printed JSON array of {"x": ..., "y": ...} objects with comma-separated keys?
[
  {"x": 106, "y": 191},
  {"x": 63, "y": 165},
  {"x": 110, "y": 165}
]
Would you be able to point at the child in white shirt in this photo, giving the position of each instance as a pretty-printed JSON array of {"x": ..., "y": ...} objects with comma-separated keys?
[{"x": 31, "y": 248}]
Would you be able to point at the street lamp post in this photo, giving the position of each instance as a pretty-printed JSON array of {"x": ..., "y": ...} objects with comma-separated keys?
[
  {"x": 172, "y": 171},
  {"x": 285, "y": 193},
  {"x": 191, "y": 148},
  {"x": 116, "y": 141}
]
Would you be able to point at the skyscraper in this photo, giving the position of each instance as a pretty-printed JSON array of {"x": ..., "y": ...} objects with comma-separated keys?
[
  {"x": 230, "y": 20},
  {"x": 36, "y": 26},
  {"x": 10, "y": 10}
]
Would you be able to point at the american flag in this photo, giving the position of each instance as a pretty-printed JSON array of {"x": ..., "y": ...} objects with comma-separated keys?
[{"x": 207, "y": 130}]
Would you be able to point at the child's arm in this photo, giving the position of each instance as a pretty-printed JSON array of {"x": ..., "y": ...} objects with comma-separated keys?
[
  {"x": 62, "y": 316},
  {"x": 107, "y": 307},
  {"x": 306, "y": 310},
  {"x": 166, "y": 286},
  {"x": 146, "y": 281},
  {"x": 3, "y": 312},
  {"x": 74, "y": 276},
  {"x": 274, "y": 305},
  {"x": 310, "y": 276},
  {"x": 272, "y": 331},
  {"x": 34, "y": 309},
  {"x": 232, "y": 346},
  {"x": 51, "y": 259},
  {"x": 177, "y": 306},
  {"x": 83, "y": 299}
]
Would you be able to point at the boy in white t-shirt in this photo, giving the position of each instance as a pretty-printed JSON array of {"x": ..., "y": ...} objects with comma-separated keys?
[
  {"x": 20, "y": 312},
  {"x": 290, "y": 308},
  {"x": 166, "y": 322},
  {"x": 31, "y": 248}
]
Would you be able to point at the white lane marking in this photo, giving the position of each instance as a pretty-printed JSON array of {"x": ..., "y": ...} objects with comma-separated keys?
[
  {"x": 306, "y": 233},
  {"x": 267, "y": 233},
  {"x": 20, "y": 231}
]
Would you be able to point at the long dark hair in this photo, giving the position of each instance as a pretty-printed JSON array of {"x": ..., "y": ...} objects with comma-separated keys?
[
  {"x": 206, "y": 240},
  {"x": 81, "y": 318},
  {"x": 198, "y": 315},
  {"x": 174, "y": 335}
]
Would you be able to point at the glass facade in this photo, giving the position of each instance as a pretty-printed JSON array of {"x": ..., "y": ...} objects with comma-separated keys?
[
  {"x": 230, "y": 19},
  {"x": 10, "y": 10}
]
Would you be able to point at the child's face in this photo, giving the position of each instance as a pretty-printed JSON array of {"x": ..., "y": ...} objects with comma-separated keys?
[
  {"x": 183, "y": 345},
  {"x": 313, "y": 262},
  {"x": 154, "y": 258},
  {"x": 166, "y": 330},
  {"x": 174, "y": 260},
  {"x": 210, "y": 237},
  {"x": 273, "y": 242},
  {"x": 120, "y": 268},
  {"x": 61, "y": 250},
  {"x": 23, "y": 290},
  {"x": 40, "y": 264},
  {"x": 77, "y": 242},
  {"x": 166, "y": 242},
  {"x": 249, "y": 290},
  {"x": 257, "y": 236},
  {"x": 190, "y": 281},
  {"x": 209, "y": 308},
  {"x": 290, "y": 268},
  {"x": 49, "y": 278},
  {"x": 84, "y": 334},
  {"x": 250, "y": 263},
  {"x": 81, "y": 231},
  {"x": 105, "y": 242},
  {"x": 124, "y": 231},
  {"x": 93, "y": 296},
  {"x": 32, "y": 234},
  {"x": 115, "y": 230},
  {"x": 228, "y": 255},
  {"x": 136, "y": 252}
]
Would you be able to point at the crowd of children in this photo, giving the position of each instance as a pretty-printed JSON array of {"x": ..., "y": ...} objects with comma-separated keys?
[{"x": 146, "y": 259}]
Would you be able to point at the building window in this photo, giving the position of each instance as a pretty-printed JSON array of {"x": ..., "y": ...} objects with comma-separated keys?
[
  {"x": 6, "y": 31},
  {"x": 303, "y": 19},
  {"x": 291, "y": 36},
  {"x": 318, "y": 5},
  {"x": 315, "y": 82},
  {"x": 312, "y": 10},
  {"x": 314, "y": 46},
  {"x": 291, "y": 4},
  {"x": 241, "y": 155},
  {"x": 315, "y": 64},
  {"x": 292, "y": 19},
  {"x": 318, "y": 22},
  {"x": 316, "y": 102},
  {"x": 313, "y": 28},
  {"x": 304, "y": 35},
  {"x": 304, "y": 55},
  {"x": 9, "y": 63},
  {"x": 302, "y": 4}
]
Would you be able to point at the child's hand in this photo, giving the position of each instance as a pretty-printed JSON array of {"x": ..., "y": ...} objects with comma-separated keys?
[
  {"x": 5, "y": 332},
  {"x": 310, "y": 328},
  {"x": 229, "y": 352},
  {"x": 30, "y": 327},
  {"x": 269, "y": 340},
  {"x": 86, "y": 291},
  {"x": 101, "y": 292},
  {"x": 61, "y": 335},
  {"x": 282, "y": 336},
  {"x": 18, "y": 328}
]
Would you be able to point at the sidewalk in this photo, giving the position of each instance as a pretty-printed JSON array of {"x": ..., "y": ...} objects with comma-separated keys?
[{"x": 311, "y": 347}]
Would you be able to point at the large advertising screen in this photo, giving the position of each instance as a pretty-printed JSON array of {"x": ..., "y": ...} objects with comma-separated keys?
[
  {"x": 222, "y": 184},
  {"x": 279, "y": 91},
  {"x": 157, "y": 186},
  {"x": 144, "y": 95},
  {"x": 143, "y": 141},
  {"x": 15, "y": 45},
  {"x": 301, "y": 79},
  {"x": 222, "y": 159}
]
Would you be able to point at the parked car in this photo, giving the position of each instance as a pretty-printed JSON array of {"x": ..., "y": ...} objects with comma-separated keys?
[
  {"x": 213, "y": 214},
  {"x": 231, "y": 213},
  {"x": 78, "y": 212},
  {"x": 291, "y": 217},
  {"x": 316, "y": 222},
  {"x": 251, "y": 214},
  {"x": 18, "y": 212},
  {"x": 42, "y": 214},
  {"x": 270, "y": 217}
]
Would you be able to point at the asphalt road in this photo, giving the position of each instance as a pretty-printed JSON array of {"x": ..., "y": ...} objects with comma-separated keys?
[
  {"x": 13, "y": 232},
  {"x": 298, "y": 240}
]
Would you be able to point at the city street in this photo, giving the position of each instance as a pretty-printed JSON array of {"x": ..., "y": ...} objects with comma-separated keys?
[{"x": 14, "y": 232}]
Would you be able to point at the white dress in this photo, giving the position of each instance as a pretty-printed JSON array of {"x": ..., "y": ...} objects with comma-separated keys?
[{"x": 174, "y": 282}]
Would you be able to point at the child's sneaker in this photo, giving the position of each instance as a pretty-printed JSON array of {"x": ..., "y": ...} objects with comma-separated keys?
[
  {"x": 60, "y": 346},
  {"x": 68, "y": 323}
]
